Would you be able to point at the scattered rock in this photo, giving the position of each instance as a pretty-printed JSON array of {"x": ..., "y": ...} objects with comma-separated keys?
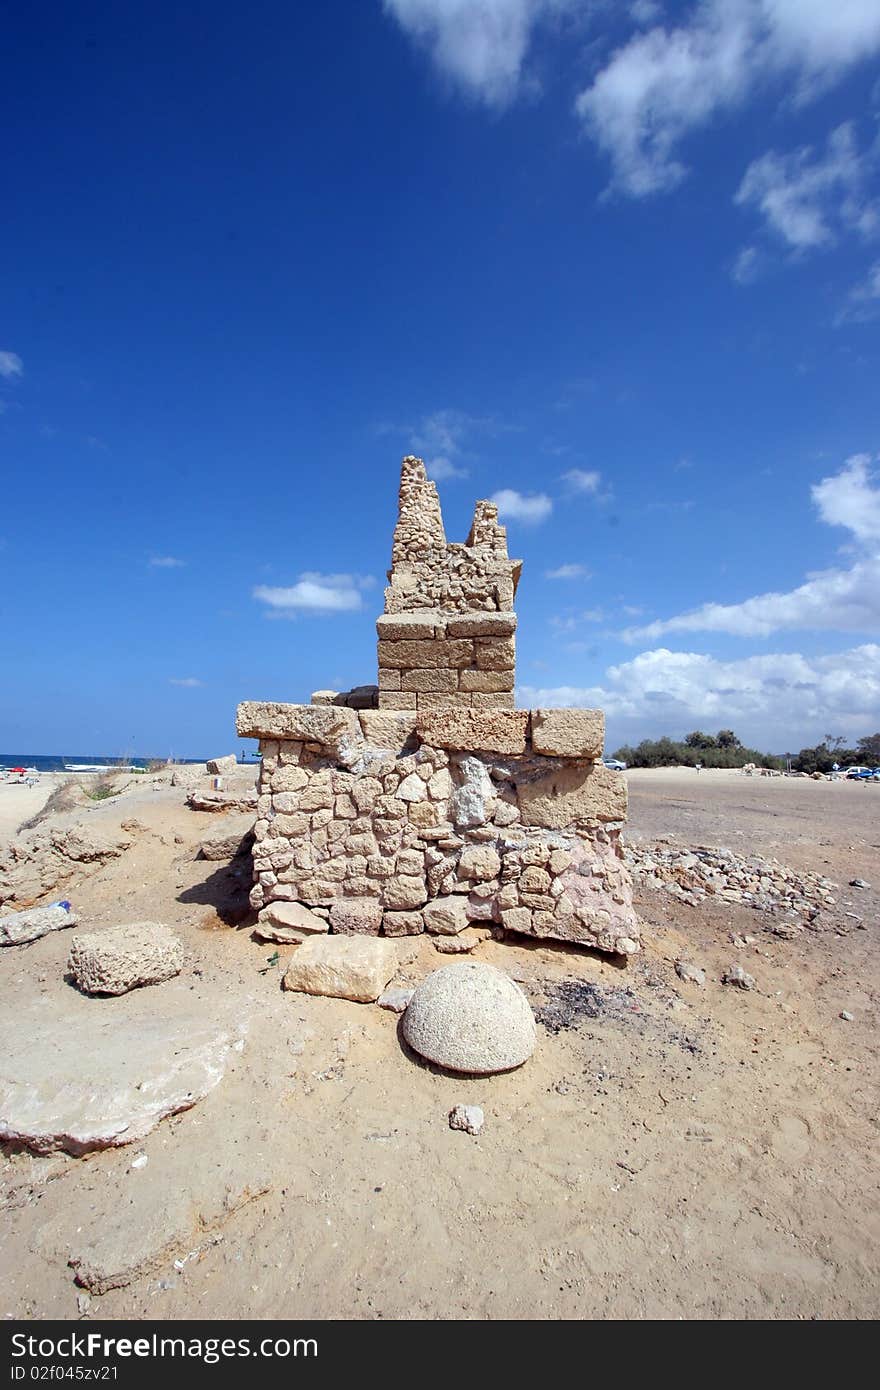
[
  {"x": 125, "y": 957},
  {"x": 692, "y": 875},
  {"x": 446, "y": 916},
  {"x": 233, "y": 836},
  {"x": 356, "y": 916},
  {"x": 846, "y": 1015},
  {"x": 220, "y": 765},
  {"x": 461, "y": 944},
  {"x": 470, "y": 1017},
  {"x": 858, "y": 883},
  {"x": 739, "y": 977},
  {"x": 395, "y": 998},
  {"x": 692, "y": 973},
  {"x": 466, "y": 1117},
  {"x": 20, "y": 927},
  {"x": 138, "y": 1071},
  {"x": 346, "y": 967},
  {"x": 288, "y": 923}
]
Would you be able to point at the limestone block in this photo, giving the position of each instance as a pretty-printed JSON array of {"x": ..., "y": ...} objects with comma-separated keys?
[
  {"x": 501, "y": 699},
  {"x": 446, "y": 916},
  {"x": 440, "y": 785},
  {"x": 324, "y": 725},
  {"x": 288, "y": 923},
  {"x": 420, "y": 623},
  {"x": 568, "y": 733},
  {"x": 356, "y": 916},
  {"x": 412, "y": 788},
  {"x": 324, "y": 697},
  {"x": 289, "y": 779},
  {"x": 430, "y": 699},
  {"x": 495, "y": 656},
  {"x": 346, "y": 967},
  {"x": 389, "y": 680},
  {"x": 404, "y": 892},
  {"x": 394, "y": 700},
  {"x": 487, "y": 681},
  {"x": 220, "y": 765},
  {"x": 494, "y": 731},
  {"x": 20, "y": 927},
  {"x": 435, "y": 680},
  {"x": 479, "y": 862},
  {"x": 518, "y": 919},
  {"x": 121, "y": 958},
  {"x": 481, "y": 624},
  {"x": 387, "y": 729},
  {"x": 403, "y": 923},
  {"x": 422, "y": 655},
  {"x": 571, "y": 792}
]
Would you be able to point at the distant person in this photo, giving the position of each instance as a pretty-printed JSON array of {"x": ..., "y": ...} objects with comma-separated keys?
[
  {"x": 699, "y": 767},
  {"x": 835, "y": 772}
]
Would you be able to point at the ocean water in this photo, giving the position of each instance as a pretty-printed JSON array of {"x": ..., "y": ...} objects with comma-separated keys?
[{"x": 52, "y": 762}]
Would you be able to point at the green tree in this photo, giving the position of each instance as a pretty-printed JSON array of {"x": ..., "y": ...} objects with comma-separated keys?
[
  {"x": 868, "y": 749},
  {"x": 726, "y": 738}
]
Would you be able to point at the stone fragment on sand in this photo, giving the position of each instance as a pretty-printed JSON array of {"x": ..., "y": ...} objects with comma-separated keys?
[
  {"x": 125, "y": 957},
  {"x": 139, "y": 1069},
  {"x": 20, "y": 927},
  {"x": 691, "y": 973},
  {"x": 846, "y": 1015},
  {"x": 234, "y": 835},
  {"x": 356, "y": 916},
  {"x": 470, "y": 1017},
  {"x": 288, "y": 923},
  {"x": 446, "y": 916},
  {"x": 461, "y": 944},
  {"x": 403, "y": 923},
  {"x": 346, "y": 967},
  {"x": 739, "y": 977},
  {"x": 468, "y": 1118},
  {"x": 395, "y": 998},
  {"x": 220, "y": 765},
  {"x": 568, "y": 733}
]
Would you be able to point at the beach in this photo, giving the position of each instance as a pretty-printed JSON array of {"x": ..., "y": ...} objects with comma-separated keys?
[{"x": 670, "y": 1150}]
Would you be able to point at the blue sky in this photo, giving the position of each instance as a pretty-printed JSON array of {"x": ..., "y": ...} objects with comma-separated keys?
[{"x": 617, "y": 265}]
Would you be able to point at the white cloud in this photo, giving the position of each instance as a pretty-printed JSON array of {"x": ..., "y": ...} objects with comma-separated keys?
[
  {"x": 847, "y": 600},
  {"x": 863, "y": 303},
  {"x": 442, "y": 469},
  {"x": 746, "y": 265},
  {"x": 645, "y": 11},
  {"x": 849, "y": 498},
  {"x": 517, "y": 506},
  {"x": 480, "y": 45},
  {"x": 582, "y": 480},
  {"x": 778, "y": 701},
  {"x": 664, "y": 83},
  {"x": 808, "y": 199},
  {"x": 568, "y": 572},
  {"x": 190, "y": 682},
  {"x": 166, "y": 562},
  {"x": 10, "y": 364},
  {"x": 314, "y": 593}
]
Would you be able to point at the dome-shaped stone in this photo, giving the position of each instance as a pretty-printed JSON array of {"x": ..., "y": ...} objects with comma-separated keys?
[{"x": 470, "y": 1017}]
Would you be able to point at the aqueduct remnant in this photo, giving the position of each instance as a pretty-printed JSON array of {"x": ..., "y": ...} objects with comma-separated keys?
[{"x": 431, "y": 803}]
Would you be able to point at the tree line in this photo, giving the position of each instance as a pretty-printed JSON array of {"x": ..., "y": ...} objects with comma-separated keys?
[{"x": 724, "y": 749}]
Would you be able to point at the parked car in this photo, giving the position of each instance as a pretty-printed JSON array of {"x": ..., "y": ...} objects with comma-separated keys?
[
  {"x": 615, "y": 764},
  {"x": 856, "y": 771},
  {"x": 868, "y": 774}
]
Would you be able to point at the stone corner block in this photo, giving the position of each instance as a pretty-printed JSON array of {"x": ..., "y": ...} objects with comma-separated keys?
[
  {"x": 568, "y": 733},
  {"x": 325, "y": 724},
  {"x": 345, "y": 967},
  {"x": 488, "y": 730}
]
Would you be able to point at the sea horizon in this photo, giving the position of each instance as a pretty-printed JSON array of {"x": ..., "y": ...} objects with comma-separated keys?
[{"x": 57, "y": 762}]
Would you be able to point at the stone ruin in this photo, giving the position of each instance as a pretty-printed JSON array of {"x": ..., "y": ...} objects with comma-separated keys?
[{"x": 430, "y": 803}]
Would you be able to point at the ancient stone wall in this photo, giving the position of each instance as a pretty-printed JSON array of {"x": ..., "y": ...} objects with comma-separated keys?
[
  {"x": 404, "y": 821},
  {"x": 446, "y": 637}
]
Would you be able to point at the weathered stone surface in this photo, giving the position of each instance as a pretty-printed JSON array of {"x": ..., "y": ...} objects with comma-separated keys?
[
  {"x": 572, "y": 792},
  {"x": 403, "y": 923},
  {"x": 230, "y": 837},
  {"x": 481, "y": 624},
  {"x": 288, "y": 922},
  {"x": 473, "y": 680},
  {"x": 91, "y": 1077},
  {"x": 421, "y": 623},
  {"x": 17, "y": 928},
  {"x": 121, "y": 958},
  {"x": 470, "y": 803},
  {"x": 219, "y": 765},
  {"x": 404, "y": 892},
  {"x": 446, "y": 916},
  {"x": 347, "y": 967},
  {"x": 468, "y": 1118},
  {"x": 388, "y": 728},
  {"x": 493, "y": 731},
  {"x": 470, "y": 1017},
  {"x": 356, "y": 916},
  {"x": 479, "y": 862},
  {"x": 311, "y": 723},
  {"x": 691, "y": 973},
  {"x": 424, "y": 655},
  {"x": 462, "y": 944},
  {"x": 568, "y": 733},
  {"x": 437, "y": 681},
  {"x": 395, "y": 999}
]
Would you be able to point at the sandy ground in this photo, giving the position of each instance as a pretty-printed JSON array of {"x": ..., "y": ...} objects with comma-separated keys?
[{"x": 669, "y": 1152}]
